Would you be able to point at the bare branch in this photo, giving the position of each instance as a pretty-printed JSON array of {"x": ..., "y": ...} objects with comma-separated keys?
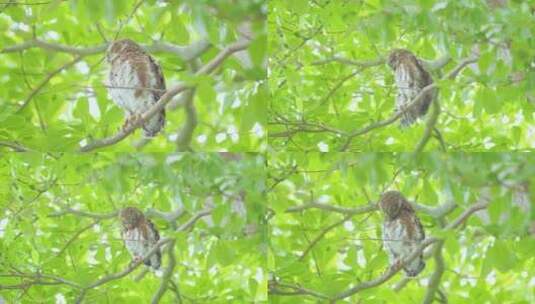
[
  {"x": 333, "y": 208},
  {"x": 165, "y": 99},
  {"x": 436, "y": 212},
  {"x": 346, "y": 61},
  {"x": 434, "y": 283},
  {"x": 76, "y": 235},
  {"x": 186, "y": 53},
  {"x": 167, "y": 276},
  {"x": 123, "y": 273},
  {"x": 185, "y": 134},
  {"x": 167, "y": 216},
  {"x": 387, "y": 275},
  {"x": 14, "y": 146},
  {"x": 36, "y": 280},
  {"x": 285, "y": 289},
  {"x": 98, "y": 216},
  {"x": 46, "y": 80},
  {"x": 187, "y": 225},
  {"x": 436, "y": 64},
  {"x": 430, "y": 123},
  {"x": 322, "y": 233}
]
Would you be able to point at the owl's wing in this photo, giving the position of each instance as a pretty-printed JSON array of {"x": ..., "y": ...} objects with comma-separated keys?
[
  {"x": 159, "y": 78},
  {"x": 153, "y": 238},
  {"x": 415, "y": 266}
]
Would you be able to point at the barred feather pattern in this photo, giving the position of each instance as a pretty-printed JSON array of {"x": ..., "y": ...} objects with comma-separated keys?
[
  {"x": 136, "y": 82},
  {"x": 402, "y": 231},
  {"x": 410, "y": 78}
]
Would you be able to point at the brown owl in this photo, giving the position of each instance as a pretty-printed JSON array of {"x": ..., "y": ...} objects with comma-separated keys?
[
  {"x": 402, "y": 231},
  {"x": 140, "y": 235},
  {"x": 411, "y": 78},
  {"x": 136, "y": 83}
]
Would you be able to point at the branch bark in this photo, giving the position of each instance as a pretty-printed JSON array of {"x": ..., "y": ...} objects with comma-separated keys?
[
  {"x": 123, "y": 273},
  {"x": 184, "y": 52},
  {"x": 434, "y": 283},
  {"x": 46, "y": 80},
  {"x": 167, "y": 276}
]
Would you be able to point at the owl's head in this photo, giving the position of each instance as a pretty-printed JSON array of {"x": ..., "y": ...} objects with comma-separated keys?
[
  {"x": 398, "y": 56},
  {"x": 120, "y": 47},
  {"x": 130, "y": 217},
  {"x": 391, "y": 203}
]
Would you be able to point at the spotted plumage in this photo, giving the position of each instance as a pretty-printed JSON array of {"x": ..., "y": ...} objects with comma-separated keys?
[
  {"x": 402, "y": 231},
  {"x": 136, "y": 83},
  {"x": 410, "y": 78},
  {"x": 140, "y": 235}
]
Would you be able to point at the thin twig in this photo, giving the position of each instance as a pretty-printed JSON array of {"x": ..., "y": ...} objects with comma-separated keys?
[{"x": 46, "y": 80}]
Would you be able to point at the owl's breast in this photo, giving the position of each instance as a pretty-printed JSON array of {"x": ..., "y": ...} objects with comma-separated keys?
[
  {"x": 134, "y": 242},
  {"x": 396, "y": 235},
  {"x": 124, "y": 82}
]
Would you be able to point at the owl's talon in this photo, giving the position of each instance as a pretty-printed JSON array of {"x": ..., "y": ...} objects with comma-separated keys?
[{"x": 126, "y": 123}]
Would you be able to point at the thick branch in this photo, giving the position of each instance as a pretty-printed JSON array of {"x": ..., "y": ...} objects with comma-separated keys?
[
  {"x": 98, "y": 216},
  {"x": 434, "y": 283},
  {"x": 167, "y": 276},
  {"x": 436, "y": 212},
  {"x": 165, "y": 99},
  {"x": 185, "y": 134},
  {"x": 184, "y": 52},
  {"x": 167, "y": 216},
  {"x": 430, "y": 123}
]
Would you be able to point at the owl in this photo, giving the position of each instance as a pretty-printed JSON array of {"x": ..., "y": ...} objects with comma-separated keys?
[
  {"x": 136, "y": 83},
  {"x": 402, "y": 231},
  {"x": 411, "y": 78},
  {"x": 139, "y": 236}
]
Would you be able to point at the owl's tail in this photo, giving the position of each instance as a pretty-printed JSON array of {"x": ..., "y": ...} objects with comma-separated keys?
[
  {"x": 154, "y": 125},
  {"x": 415, "y": 267}
]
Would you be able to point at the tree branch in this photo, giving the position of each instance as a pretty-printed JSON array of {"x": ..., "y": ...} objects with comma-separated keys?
[
  {"x": 46, "y": 80},
  {"x": 123, "y": 273},
  {"x": 186, "y": 53},
  {"x": 165, "y": 99},
  {"x": 387, "y": 275},
  {"x": 98, "y": 216},
  {"x": 167, "y": 276},
  {"x": 14, "y": 146},
  {"x": 277, "y": 288},
  {"x": 187, "y": 225},
  {"x": 322, "y": 233},
  {"x": 430, "y": 123},
  {"x": 434, "y": 283},
  {"x": 435, "y": 212},
  {"x": 37, "y": 280}
]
